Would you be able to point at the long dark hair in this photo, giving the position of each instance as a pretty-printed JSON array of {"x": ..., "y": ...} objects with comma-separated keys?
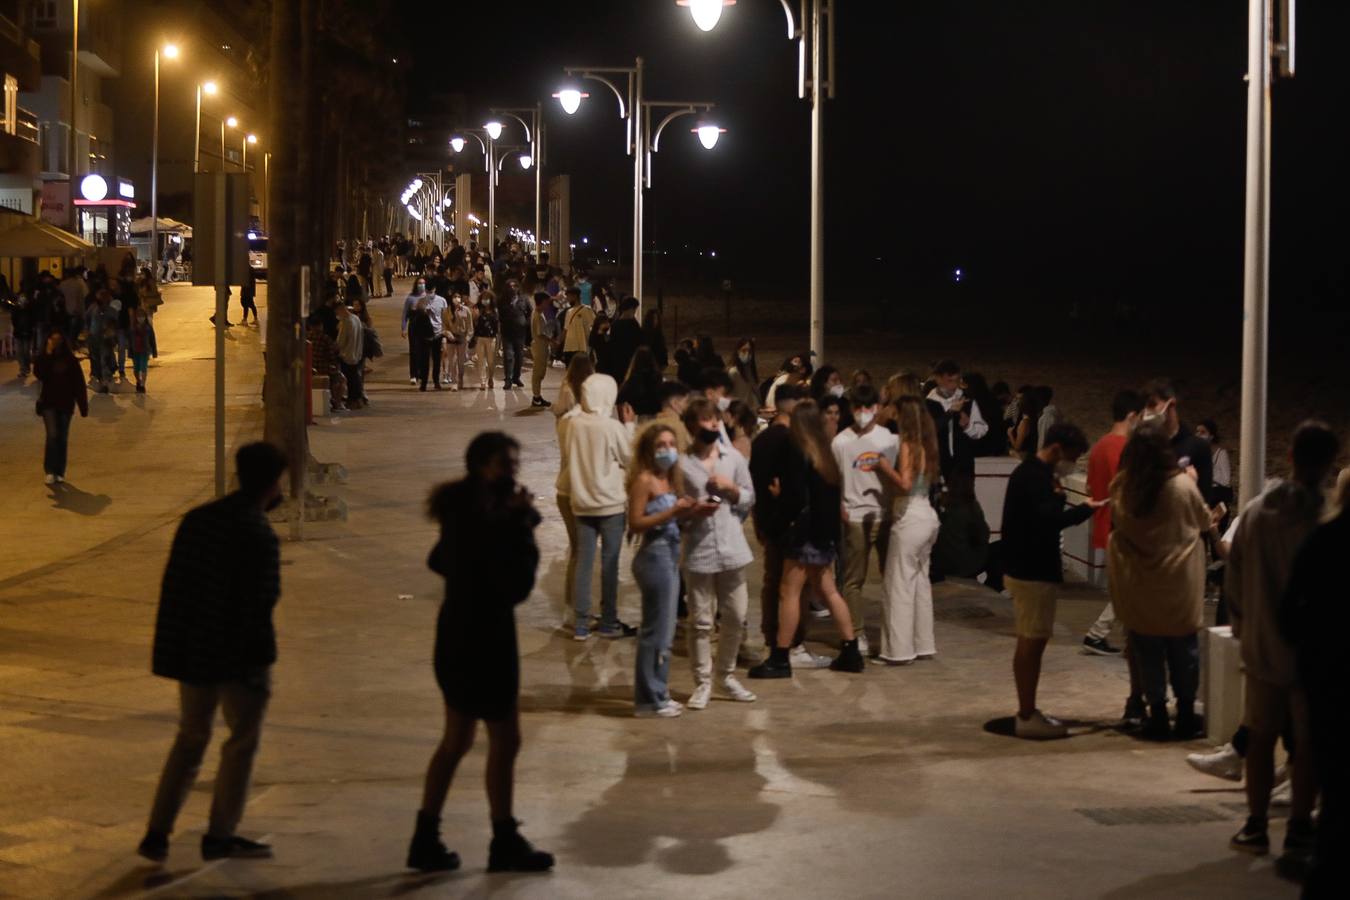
[
  {"x": 643, "y": 366},
  {"x": 578, "y": 370},
  {"x": 808, "y": 433},
  {"x": 749, "y": 370},
  {"x": 1146, "y": 464}
]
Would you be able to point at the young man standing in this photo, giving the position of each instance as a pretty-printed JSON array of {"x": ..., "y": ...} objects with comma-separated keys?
[
  {"x": 1103, "y": 461},
  {"x": 858, "y": 451},
  {"x": 1269, "y": 534},
  {"x": 543, "y": 332},
  {"x": 1034, "y": 513},
  {"x": 963, "y": 422},
  {"x": 350, "y": 346},
  {"x": 1160, "y": 406},
  {"x": 515, "y": 316},
  {"x": 214, "y": 636}
]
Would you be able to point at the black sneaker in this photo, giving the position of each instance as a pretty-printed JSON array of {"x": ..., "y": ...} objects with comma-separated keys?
[
  {"x": 1188, "y": 726},
  {"x": 234, "y": 847},
  {"x": 1099, "y": 647},
  {"x": 850, "y": 659},
  {"x": 1135, "y": 713},
  {"x": 1299, "y": 842},
  {"x": 154, "y": 846},
  {"x": 1157, "y": 727},
  {"x": 1253, "y": 839},
  {"x": 771, "y": 669},
  {"x": 510, "y": 852}
]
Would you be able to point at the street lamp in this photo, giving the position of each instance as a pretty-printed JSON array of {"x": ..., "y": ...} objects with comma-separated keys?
[
  {"x": 457, "y": 143},
  {"x": 534, "y": 134},
  {"x": 231, "y": 122},
  {"x": 706, "y": 14},
  {"x": 250, "y": 139},
  {"x": 169, "y": 51},
  {"x": 209, "y": 88},
  {"x": 708, "y": 134},
  {"x": 493, "y": 128},
  {"x": 570, "y": 98}
]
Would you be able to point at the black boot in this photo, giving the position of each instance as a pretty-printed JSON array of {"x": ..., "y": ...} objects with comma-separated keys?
[
  {"x": 776, "y": 666},
  {"x": 1189, "y": 726},
  {"x": 849, "y": 658},
  {"x": 427, "y": 853},
  {"x": 1156, "y": 727},
  {"x": 510, "y": 852}
]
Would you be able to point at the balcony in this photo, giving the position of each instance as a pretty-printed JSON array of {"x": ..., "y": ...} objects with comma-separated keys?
[{"x": 20, "y": 54}]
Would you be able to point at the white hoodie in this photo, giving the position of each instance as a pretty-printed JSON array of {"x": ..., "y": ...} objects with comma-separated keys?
[{"x": 596, "y": 447}]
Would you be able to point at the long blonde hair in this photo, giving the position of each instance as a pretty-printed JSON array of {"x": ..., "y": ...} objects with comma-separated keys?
[
  {"x": 901, "y": 384},
  {"x": 644, "y": 458},
  {"x": 918, "y": 433},
  {"x": 808, "y": 433}
]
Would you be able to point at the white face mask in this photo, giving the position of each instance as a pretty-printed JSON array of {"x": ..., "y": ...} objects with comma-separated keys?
[
  {"x": 744, "y": 358},
  {"x": 723, "y": 404},
  {"x": 865, "y": 417},
  {"x": 836, "y": 391}
]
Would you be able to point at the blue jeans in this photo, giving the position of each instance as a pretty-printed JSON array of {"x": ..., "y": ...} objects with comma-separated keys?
[
  {"x": 609, "y": 530},
  {"x": 1159, "y": 657},
  {"x": 656, "y": 570},
  {"x": 58, "y": 438},
  {"x": 513, "y": 359}
]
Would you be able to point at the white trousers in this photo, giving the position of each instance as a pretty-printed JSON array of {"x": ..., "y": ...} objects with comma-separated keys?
[
  {"x": 907, "y": 607},
  {"x": 706, "y": 593}
]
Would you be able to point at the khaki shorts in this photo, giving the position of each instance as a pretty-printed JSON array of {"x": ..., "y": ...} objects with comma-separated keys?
[
  {"x": 1267, "y": 707},
  {"x": 1034, "y": 605}
]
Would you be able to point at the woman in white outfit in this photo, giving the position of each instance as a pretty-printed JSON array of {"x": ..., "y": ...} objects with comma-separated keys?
[{"x": 907, "y": 608}]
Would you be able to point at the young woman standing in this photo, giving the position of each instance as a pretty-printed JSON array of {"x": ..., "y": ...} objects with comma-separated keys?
[
  {"x": 907, "y": 607},
  {"x": 655, "y": 508},
  {"x": 486, "y": 326},
  {"x": 62, "y": 390},
  {"x": 810, "y": 500},
  {"x": 488, "y": 556}
]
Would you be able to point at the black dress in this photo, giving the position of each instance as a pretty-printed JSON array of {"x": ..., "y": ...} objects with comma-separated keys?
[{"x": 488, "y": 557}]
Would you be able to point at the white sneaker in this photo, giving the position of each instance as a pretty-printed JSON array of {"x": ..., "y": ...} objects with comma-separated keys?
[
  {"x": 801, "y": 658},
  {"x": 49, "y": 479},
  {"x": 1282, "y": 795},
  {"x": 699, "y": 699},
  {"x": 1222, "y": 763},
  {"x": 61, "y": 479},
  {"x": 1281, "y": 771},
  {"x": 730, "y": 688},
  {"x": 670, "y": 710},
  {"x": 863, "y": 647},
  {"x": 1040, "y": 727},
  {"x": 412, "y": 381}
]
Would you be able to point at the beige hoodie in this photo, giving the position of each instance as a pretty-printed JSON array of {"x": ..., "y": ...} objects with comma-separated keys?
[{"x": 596, "y": 447}]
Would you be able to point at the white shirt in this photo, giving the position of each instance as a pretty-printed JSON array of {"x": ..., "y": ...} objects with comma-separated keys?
[
  {"x": 436, "y": 307},
  {"x": 857, "y": 456},
  {"x": 976, "y": 429},
  {"x": 1223, "y": 467}
]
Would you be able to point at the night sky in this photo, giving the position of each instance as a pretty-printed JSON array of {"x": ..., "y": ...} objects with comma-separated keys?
[{"x": 1047, "y": 149}]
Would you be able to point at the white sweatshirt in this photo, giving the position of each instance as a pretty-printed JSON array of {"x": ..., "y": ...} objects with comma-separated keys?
[{"x": 597, "y": 448}]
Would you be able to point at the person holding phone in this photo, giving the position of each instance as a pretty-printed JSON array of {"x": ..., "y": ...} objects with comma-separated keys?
[{"x": 717, "y": 478}]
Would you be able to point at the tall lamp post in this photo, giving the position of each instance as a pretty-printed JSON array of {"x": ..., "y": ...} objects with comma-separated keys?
[
  {"x": 231, "y": 122},
  {"x": 170, "y": 51},
  {"x": 209, "y": 88},
  {"x": 640, "y": 140},
  {"x": 1265, "y": 48},
  {"x": 820, "y": 83},
  {"x": 534, "y": 136},
  {"x": 457, "y": 144}
]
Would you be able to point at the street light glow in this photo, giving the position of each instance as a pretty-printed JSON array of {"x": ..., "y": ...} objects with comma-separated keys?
[
  {"x": 706, "y": 13},
  {"x": 708, "y": 135},
  {"x": 526, "y": 161},
  {"x": 494, "y": 129},
  {"x": 209, "y": 88},
  {"x": 447, "y": 201},
  {"x": 170, "y": 51},
  {"x": 231, "y": 121},
  {"x": 457, "y": 143},
  {"x": 253, "y": 139},
  {"x": 570, "y": 98}
]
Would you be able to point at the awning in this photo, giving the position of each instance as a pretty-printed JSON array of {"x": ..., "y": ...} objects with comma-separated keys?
[
  {"x": 33, "y": 238},
  {"x": 166, "y": 226}
]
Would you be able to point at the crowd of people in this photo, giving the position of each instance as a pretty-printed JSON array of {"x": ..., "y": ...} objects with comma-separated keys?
[{"x": 108, "y": 317}]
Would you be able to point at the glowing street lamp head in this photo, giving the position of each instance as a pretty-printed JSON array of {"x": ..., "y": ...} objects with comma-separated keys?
[
  {"x": 708, "y": 134},
  {"x": 170, "y": 51},
  {"x": 231, "y": 121},
  {"x": 209, "y": 87},
  {"x": 494, "y": 129},
  {"x": 447, "y": 201},
  {"x": 457, "y": 143},
  {"x": 252, "y": 139},
  {"x": 526, "y": 161},
  {"x": 706, "y": 13},
  {"x": 571, "y": 98}
]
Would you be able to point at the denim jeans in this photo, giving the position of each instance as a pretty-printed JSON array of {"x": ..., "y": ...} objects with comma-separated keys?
[
  {"x": 513, "y": 359},
  {"x": 58, "y": 438},
  {"x": 1159, "y": 657},
  {"x": 609, "y": 531},
  {"x": 656, "y": 570}
]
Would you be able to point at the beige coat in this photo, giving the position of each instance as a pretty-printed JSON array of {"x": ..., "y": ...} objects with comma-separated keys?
[{"x": 1156, "y": 564}]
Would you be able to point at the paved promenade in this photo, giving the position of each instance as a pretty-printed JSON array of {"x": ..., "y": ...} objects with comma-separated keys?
[{"x": 885, "y": 784}]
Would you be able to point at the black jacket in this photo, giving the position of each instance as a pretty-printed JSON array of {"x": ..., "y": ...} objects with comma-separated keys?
[
  {"x": 1034, "y": 513},
  {"x": 809, "y": 504},
  {"x": 215, "y": 605},
  {"x": 625, "y": 336},
  {"x": 770, "y": 454}
]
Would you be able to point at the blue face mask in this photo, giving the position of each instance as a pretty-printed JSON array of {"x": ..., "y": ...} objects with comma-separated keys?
[{"x": 666, "y": 457}]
